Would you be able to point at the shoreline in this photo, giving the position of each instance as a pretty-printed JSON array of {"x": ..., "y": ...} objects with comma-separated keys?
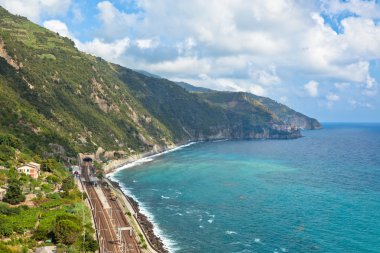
[
  {"x": 137, "y": 159},
  {"x": 145, "y": 224},
  {"x": 144, "y": 218},
  {"x": 156, "y": 239}
]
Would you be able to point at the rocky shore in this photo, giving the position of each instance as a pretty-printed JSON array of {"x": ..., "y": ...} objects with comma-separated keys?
[{"x": 148, "y": 228}]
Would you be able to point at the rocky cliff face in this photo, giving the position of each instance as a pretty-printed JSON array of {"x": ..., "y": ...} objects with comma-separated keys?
[{"x": 302, "y": 122}]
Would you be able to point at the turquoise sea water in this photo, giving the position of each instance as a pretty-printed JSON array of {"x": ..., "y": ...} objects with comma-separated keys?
[{"x": 320, "y": 193}]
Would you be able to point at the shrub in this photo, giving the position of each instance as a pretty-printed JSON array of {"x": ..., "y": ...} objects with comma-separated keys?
[
  {"x": 90, "y": 244},
  {"x": 6, "y": 153},
  {"x": 53, "y": 195},
  {"x": 66, "y": 232},
  {"x": 14, "y": 194},
  {"x": 50, "y": 165},
  {"x": 67, "y": 184},
  {"x": 5, "y": 227},
  {"x": 67, "y": 216},
  {"x": 53, "y": 179},
  {"x": 7, "y": 210},
  {"x": 10, "y": 140}
]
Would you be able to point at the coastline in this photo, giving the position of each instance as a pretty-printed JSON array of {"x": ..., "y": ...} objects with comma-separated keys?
[
  {"x": 156, "y": 239},
  {"x": 145, "y": 219}
]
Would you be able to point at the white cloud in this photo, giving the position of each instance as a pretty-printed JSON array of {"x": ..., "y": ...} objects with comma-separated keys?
[
  {"x": 283, "y": 99},
  {"x": 245, "y": 37},
  {"x": 332, "y": 97},
  {"x": 78, "y": 15},
  {"x": 189, "y": 65},
  {"x": 265, "y": 77},
  {"x": 58, "y": 27},
  {"x": 34, "y": 9},
  {"x": 312, "y": 88},
  {"x": 108, "y": 50},
  {"x": 111, "y": 51},
  {"x": 356, "y": 104},
  {"x": 257, "y": 90},
  {"x": 370, "y": 88},
  {"x": 366, "y": 8},
  {"x": 146, "y": 43},
  {"x": 341, "y": 86},
  {"x": 115, "y": 24}
]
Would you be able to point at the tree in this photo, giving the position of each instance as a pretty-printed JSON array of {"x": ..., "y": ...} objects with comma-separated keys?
[
  {"x": 10, "y": 140},
  {"x": 50, "y": 165},
  {"x": 66, "y": 232},
  {"x": 67, "y": 184},
  {"x": 6, "y": 153},
  {"x": 14, "y": 194},
  {"x": 90, "y": 244}
]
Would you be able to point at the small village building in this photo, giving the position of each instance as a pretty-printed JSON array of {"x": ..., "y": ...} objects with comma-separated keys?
[{"x": 31, "y": 169}]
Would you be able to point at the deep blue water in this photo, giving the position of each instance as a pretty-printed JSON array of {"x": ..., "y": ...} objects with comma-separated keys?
[{"x": 320, "y": 193}]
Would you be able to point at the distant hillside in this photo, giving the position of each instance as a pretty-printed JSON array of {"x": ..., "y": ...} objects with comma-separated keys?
[
  {"x": 288, "y": 115},
  {"x": 193, "y": 88},
  {"x": 283, "y": 112},
  {"x": 51, "y": 93}
]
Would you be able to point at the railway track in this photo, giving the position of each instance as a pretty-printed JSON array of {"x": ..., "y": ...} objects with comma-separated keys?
[
  {"x": 121, "y": 221},
  {"x": 106, "y": 234},
  {"x": 107, "y": 222}
]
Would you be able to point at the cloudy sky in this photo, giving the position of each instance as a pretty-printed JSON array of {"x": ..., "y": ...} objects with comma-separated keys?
[{"x": 319, "y": 57}]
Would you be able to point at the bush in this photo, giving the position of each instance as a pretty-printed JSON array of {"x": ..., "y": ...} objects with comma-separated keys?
[
  {"x": 69, "y": 217},
  {"x": 14, "y": 194},
  {"x": 90, "y": 244},
  {"x": 10, "y": 140},
  {"x": 7, "y": 210},
  {"x": 66, "y": 232},
  {"x": 53, "y": 179},
  {"x": 67, "y": 184},
  {"x": 6, "y": 153},
  {"x": 5, "y": 228},
  {"x": 50, "y": 165},
  {"x": 53, "y": 195},
  {"x": 41, "y": 234}
]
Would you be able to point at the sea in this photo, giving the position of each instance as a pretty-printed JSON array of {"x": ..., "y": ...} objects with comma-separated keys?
[{"x": 319, "y": 193}]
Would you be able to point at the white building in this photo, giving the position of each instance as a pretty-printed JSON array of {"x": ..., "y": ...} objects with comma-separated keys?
[{"x": 31, "y": 169}]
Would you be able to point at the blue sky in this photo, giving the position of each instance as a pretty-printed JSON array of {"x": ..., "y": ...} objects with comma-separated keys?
[{"x": 320, "y": 57}]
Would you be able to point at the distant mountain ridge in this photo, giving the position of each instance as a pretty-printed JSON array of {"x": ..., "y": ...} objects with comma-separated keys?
[
  {"x": 51, "y": 93},
  {"x": 283, "y": 112}
]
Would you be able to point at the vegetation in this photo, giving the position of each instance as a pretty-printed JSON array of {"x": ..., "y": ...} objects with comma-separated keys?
[
  {"x": 14, "y": 194},
  {"x": 52, "y": 215},
  {"x": 66, "y": 231}
]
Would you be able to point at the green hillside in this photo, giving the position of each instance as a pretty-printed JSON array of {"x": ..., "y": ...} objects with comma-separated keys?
[
  {"x": 52, "y": 94},
  {"x": 282, "y": 112}
]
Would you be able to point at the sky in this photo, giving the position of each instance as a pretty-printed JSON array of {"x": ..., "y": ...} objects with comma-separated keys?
[{"x": 320, "y": 57}]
